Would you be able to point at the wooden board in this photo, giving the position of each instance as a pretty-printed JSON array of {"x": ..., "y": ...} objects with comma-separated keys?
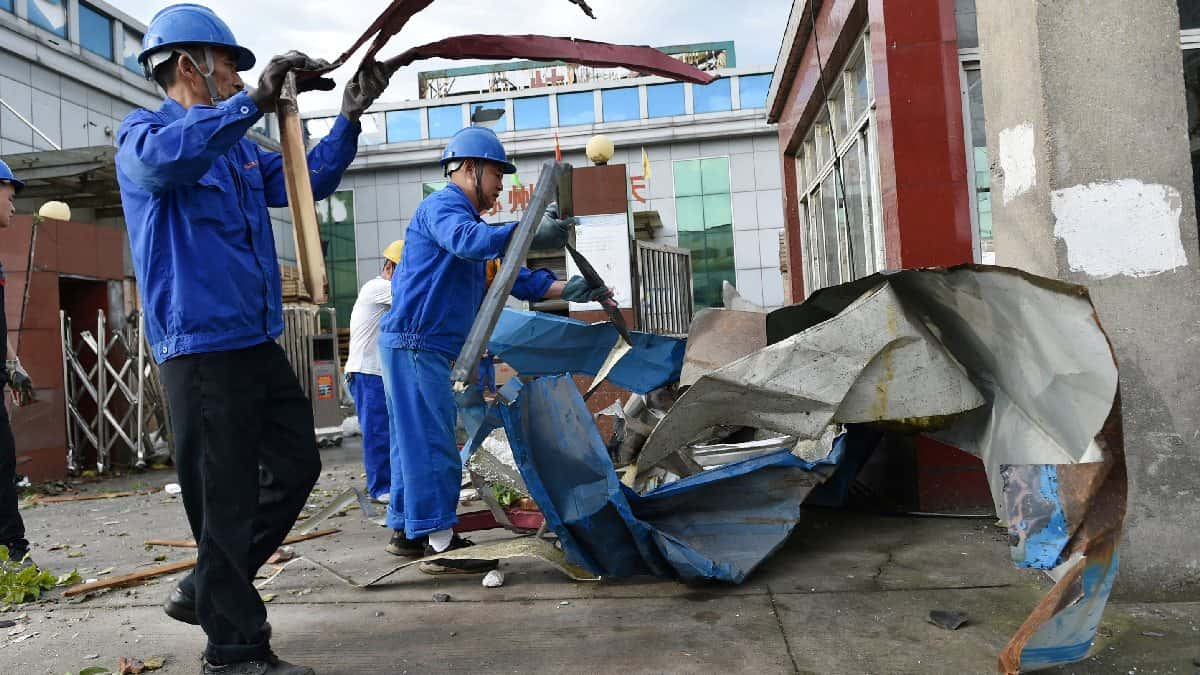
[
  {"x": 136, "y": 577},
  {"x": 309, "y": 257},
  {"x": 294, "y": 539}
]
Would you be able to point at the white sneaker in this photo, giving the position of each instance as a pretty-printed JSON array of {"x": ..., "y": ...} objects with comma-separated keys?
[{"x": 385, "y": 498}]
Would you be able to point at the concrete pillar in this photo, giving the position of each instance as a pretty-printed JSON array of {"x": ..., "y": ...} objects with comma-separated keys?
[{"x": 1092, "y": 183}]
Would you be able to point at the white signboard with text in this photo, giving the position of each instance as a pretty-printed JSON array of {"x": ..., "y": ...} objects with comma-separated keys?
[{"x": 604, "y": 241}]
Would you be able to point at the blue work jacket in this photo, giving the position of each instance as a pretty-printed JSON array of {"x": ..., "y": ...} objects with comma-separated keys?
[
  {"x": 195, "y": 193},
  {"x": 442, "y": 277}
]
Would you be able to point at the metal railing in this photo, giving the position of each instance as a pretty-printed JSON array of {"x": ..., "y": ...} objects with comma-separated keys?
[
  {"x": 113, "y": 396},
  {"x": 662, "y": 288}
]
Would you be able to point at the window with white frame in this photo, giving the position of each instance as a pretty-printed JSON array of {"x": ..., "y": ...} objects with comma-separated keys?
[{"x": 837, "y": 169}]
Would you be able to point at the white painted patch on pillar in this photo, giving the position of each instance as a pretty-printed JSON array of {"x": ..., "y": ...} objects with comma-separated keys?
[
  {"x": 1120, "y": 227},
  {"x": 1017, "y": 161}
]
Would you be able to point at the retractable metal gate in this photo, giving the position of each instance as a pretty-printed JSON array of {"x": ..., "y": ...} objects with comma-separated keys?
[{"x": 114, "y": 399}]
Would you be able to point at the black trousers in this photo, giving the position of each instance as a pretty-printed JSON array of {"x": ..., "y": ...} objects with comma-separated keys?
[
  {"x": 12, "y": 528},
  {"x": 247, "y": 459}
]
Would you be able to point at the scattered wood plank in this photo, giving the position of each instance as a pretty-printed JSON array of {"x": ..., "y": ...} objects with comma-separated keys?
[
  {"x": 128, "y": 579},
  {"x": 294, "y": 539},
  {"x": 58, "y": 499}
]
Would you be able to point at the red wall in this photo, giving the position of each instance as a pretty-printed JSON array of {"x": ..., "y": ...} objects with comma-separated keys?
[{"x": 77, "y": 249}]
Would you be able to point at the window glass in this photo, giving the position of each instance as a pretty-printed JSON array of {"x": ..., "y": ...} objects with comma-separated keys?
[
  {"x": 50, "y": 15},
  {"x": 318, "y": 127},
  {"x": 712, "y": 97},
  {"x": 95, "y": 31},
  {"x": 837, "y": 107},
  {"x": 689, "y": 214},
  {"x": 374, "y": 129},
  {"x": 620, "y": 105},
  {"x": 664, "y": 100},
  {"x": 983, "y": 176},
  {"x": 860, "y": 95},
  {"x": 484, "y": 119},
  {"x": 131, "y": 49},
  {"x": 753, "y": 90},
  {"x": 687, "y": 178},
  {"x": 532, "y": 113},
  {"x": 6, "y": 5},
  {"x": 335, "y": 216},
  {"x": 403, "y": 125},
  {"x": 432, "y": 187},
  {"x": 965, "y": 23},
  {"x": 576, "y": 108},
  {"x": 718, "y": 211},
  {"x": 829, "y": 226},
  {"x": 445, "y": 121},
  {"x": 714, "y": 175},
  {"x": 704, "y": 220},
  {"x": 822, "y": 139},
  {"x": 860, "y": 239}
]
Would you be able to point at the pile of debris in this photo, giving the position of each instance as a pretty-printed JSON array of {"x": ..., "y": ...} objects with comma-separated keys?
[{"x": 709, "y": 467}]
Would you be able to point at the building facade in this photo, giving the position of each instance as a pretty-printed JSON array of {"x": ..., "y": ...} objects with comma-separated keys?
[
  {"x": 889, "y": 159},
  {"x": 702, "y": 167}
]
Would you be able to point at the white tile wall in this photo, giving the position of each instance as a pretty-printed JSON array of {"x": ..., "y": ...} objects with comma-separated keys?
[
  {"x": 745, "y": 211},
  {"x": 741, "y": 173},
  {"x": 746, "y": 250},
  {"x": 750, "y": 286},
  {"x": 766, "y": 170},
  {"x": 772, "y": 283},
  {"x": 770, "y": 209}
]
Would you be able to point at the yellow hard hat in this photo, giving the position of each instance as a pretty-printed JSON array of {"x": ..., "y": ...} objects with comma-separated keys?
[{"x": 392, "y": 252}]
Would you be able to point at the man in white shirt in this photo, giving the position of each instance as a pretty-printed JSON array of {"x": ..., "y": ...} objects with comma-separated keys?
[{"x": 364, "y": 373}]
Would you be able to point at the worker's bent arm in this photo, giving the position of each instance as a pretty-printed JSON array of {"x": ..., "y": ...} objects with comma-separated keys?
[
  {"x": 327, "y": 161},
  {"x": 464, "y": 235},
  {"x": 160, "y": 156},
  {"x": 534, "y": 285}
]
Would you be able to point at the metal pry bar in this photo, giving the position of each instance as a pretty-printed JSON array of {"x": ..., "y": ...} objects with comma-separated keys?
[{"x": 466, "y": 367}]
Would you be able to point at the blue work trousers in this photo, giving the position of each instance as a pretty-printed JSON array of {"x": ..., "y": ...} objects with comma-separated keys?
[
  {"x": 426, "y": 469},
  {"x": 371, "y": 403}
]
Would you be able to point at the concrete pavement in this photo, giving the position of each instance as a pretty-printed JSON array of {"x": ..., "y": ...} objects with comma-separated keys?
[{"x": 849, "y": 593}]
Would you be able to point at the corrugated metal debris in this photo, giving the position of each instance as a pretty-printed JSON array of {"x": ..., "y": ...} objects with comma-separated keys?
[{"x": 1011, "y": 367}]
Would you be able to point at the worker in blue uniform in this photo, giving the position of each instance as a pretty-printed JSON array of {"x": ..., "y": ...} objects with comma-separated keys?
[
  {"x": 12, "y": 528},
  {"x": 436, "y": 293},
  {"x": 195, "y": 193}
]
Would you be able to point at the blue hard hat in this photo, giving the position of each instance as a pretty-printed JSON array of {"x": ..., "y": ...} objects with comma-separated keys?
[
  {"x": 189, "y": 24},
  {"x": 477, "y": 143},
  {"x": 6, "y": 176}
]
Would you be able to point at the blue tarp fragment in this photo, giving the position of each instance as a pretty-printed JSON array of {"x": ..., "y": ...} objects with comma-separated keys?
[
  {"x": 536, "y": 344},
  {"x": 717, "y": 525}
]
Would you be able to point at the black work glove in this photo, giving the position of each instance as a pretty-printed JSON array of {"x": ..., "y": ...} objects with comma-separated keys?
[
  {"x": 270, "y": 83},
  {"x": 578, "y": 290},
  {"x": 553, "y": 231},
  {"x": 361, "y": 91},
  {"x": 20, "y": 383}
]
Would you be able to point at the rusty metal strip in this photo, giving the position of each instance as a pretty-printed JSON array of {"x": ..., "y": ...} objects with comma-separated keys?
[
  {"x": 545, "y": 48},
  {"x": 388, "y": 24}
]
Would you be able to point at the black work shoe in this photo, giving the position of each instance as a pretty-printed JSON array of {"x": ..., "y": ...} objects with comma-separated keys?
[
  {"x": 181, "y": 604},
  {"x": 270, "y": 665},
  {"x": 464, "y": 566},
  {"x": 19, "y": 556},
  {"x": 401, "y": 545}
]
